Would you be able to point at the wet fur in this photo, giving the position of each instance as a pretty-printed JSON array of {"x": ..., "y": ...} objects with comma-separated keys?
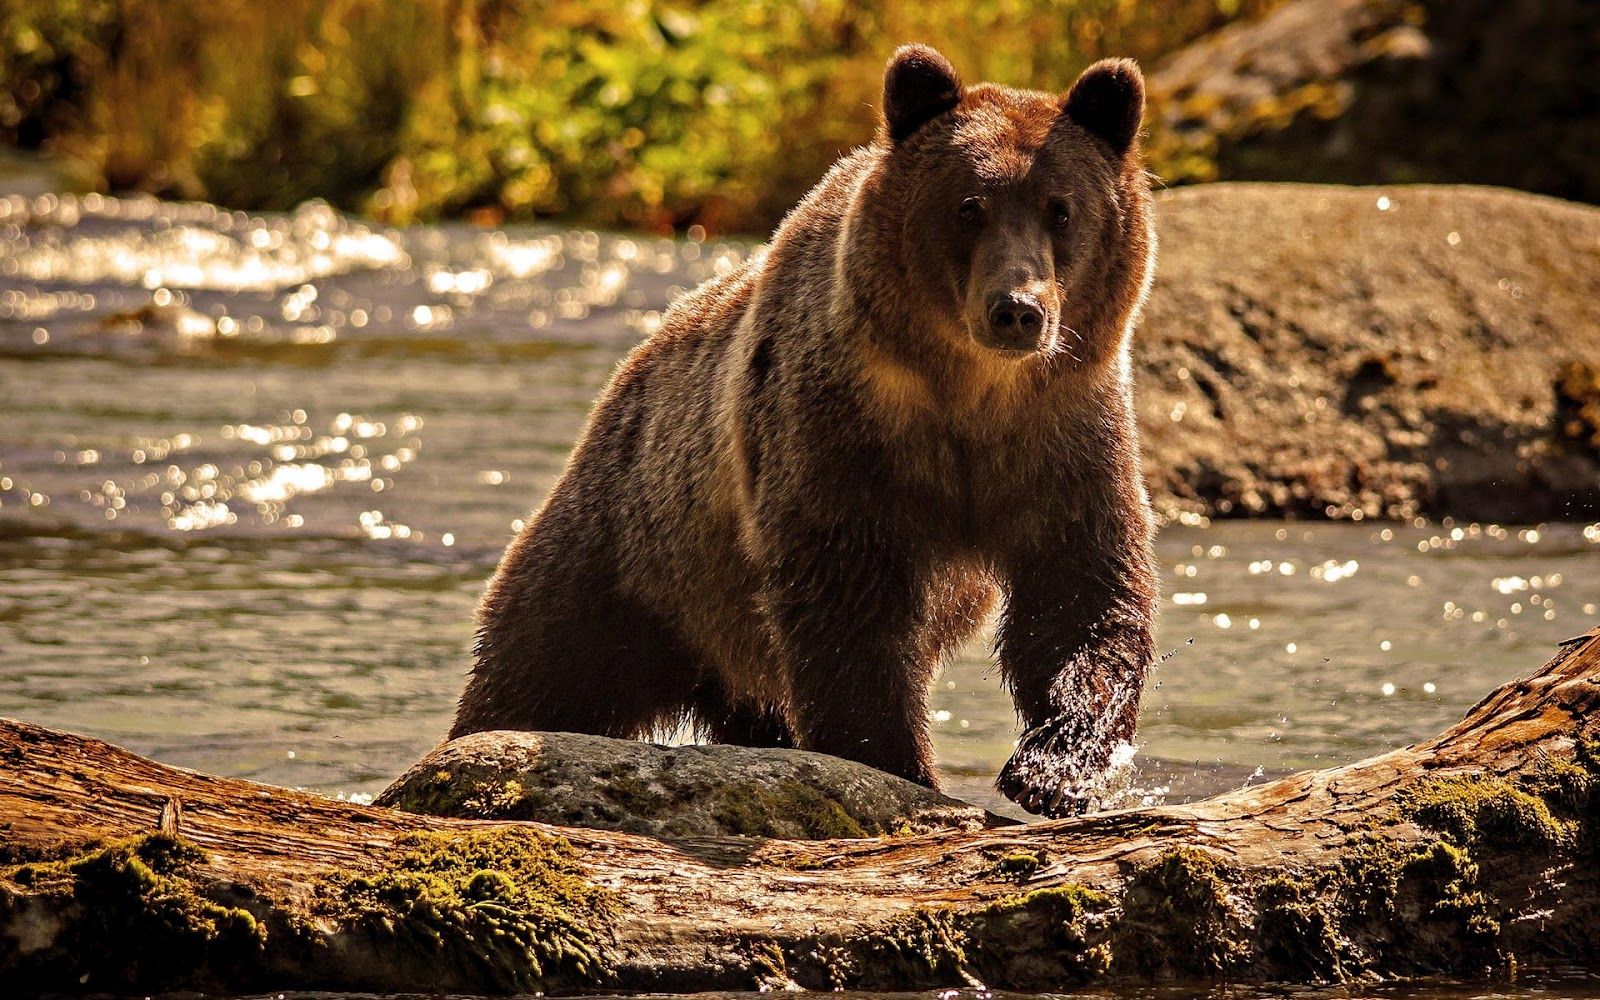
[{"x": 812, "y": 483}]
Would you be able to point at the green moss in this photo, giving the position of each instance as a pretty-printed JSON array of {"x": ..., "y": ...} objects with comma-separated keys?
[
  {"x": 807, "y": 864},
  {"x": 1179, "y": 917},
  {"x": 466, "y": 795},
  {"x": 1564, "y": 785},
  {"x": 1450, "y": 880},
  {"x": 124, "y": 915},
  {"x": 494, "y": 799},
  {"x": 743, "y": 811},
  {"x": 1586, "y": 753},
  {"x": 512, "y": 905},
  {"x": 1438, "y": 900},
  {"x": 1030, "y": 941},
  {"x": 1366, "y": 875},
  {"x": 634, "y": 795},
  {"x": 924, "y": 946},
  {"x": 1018, "y": 865},
  {"x": 15, "y": 854},
  {"x": 1424, "y": 905},
  {"x": 1069, "y": 902},
  {"x": 1040, "y": 939},
  {"x": 1298, "y": 930},
  {"x": 1582, "y": 798},
  {"x": 1391, "y": 904},
  {"x": 788, "y": 808},
  {"x": 1482, "y": 810}
]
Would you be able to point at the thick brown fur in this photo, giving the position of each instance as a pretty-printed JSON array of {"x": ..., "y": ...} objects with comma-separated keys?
[{"x": 817, "y": 478}]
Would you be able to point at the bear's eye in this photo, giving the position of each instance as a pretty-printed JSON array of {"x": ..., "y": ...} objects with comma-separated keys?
[
  {"x": 1059, "y": 215},
  {"x": 971, "y": 210}
]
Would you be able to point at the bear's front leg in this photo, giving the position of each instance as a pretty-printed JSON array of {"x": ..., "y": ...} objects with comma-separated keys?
[
  {"x": 1075, "y": 645},
  {"x": 844, "y": 608}
]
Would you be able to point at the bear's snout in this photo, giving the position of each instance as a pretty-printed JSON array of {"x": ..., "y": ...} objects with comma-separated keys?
[{"x": 1017, "y": 321}]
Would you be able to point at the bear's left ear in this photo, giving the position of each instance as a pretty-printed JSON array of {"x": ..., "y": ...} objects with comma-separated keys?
[
  {"x": 1108, "y": 100},
  {"x": 918, "y": 86}
]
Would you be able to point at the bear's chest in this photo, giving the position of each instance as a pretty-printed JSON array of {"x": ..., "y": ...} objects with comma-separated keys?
[{"x": 968, "y": 490}]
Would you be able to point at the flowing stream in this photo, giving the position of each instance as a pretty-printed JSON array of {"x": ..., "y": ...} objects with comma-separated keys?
[{"x": 254, "y": 471}]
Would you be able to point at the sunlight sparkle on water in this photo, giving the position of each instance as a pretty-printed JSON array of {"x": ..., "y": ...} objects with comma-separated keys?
[
  {"x": 266, "y": 476},
  {"x": 196, "y": 250},
  {"x": 1334, "y": 570}
]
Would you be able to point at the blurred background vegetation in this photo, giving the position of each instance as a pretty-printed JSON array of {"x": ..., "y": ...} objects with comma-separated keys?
[{"x": 636, "y": 113}]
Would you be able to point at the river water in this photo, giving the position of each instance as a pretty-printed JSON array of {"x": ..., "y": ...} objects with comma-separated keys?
[{"x": 254, "y": 471}]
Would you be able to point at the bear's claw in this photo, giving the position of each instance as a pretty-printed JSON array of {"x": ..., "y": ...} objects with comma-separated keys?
[{"x": 1053, "y": 769}]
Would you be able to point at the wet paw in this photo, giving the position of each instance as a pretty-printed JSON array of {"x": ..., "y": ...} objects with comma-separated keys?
[{"x": 1054, "y": 768}]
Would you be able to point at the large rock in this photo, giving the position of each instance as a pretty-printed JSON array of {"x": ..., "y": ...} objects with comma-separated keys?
[
  {"x": 1377, "y": 91},
  {"x": 592, "y": 781},
  {"x": 1387, "y": 351}
]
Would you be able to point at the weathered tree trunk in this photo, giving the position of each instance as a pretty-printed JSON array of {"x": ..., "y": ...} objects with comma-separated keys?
[{"x": 1466, "y": 854}]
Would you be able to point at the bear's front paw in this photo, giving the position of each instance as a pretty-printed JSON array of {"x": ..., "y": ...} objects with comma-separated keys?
[{"x": 1054, "y": 768}]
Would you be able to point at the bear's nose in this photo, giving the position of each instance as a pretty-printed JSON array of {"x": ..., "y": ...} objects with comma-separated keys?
[{"x": 1016, "y": 315}]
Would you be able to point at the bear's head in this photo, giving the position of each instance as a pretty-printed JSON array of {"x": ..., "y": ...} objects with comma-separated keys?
[{"x": 1017, "y": 223}]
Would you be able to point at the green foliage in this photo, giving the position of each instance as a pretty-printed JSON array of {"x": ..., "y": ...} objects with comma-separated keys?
[{"x": 641, "y": 113}]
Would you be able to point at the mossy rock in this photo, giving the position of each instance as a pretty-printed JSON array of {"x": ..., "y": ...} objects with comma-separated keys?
[{"x": 570, "y": 779}]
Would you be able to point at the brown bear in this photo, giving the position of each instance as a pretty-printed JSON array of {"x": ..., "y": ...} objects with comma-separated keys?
[{"x": 819, "y": 475}]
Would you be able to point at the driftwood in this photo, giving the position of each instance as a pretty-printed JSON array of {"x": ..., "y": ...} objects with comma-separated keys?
[{"x": 1473, "y": 853}]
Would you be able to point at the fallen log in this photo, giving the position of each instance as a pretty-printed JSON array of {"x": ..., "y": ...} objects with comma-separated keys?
[{"x": 1469, "y": 854}]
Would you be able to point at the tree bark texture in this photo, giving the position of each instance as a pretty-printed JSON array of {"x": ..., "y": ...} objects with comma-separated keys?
[{"x": 1473, "y": 853}]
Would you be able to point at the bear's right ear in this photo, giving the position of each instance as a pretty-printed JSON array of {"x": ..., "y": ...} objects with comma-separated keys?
[
  {"x": 1108, "y": 100},
  {"x": 918, "y": 86}
]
